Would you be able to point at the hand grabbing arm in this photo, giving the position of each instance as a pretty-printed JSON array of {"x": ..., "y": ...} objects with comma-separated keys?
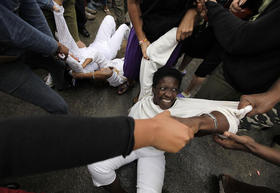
[
  {"x": 162, "y": 132},
  {"x": 262, "y": 102}
]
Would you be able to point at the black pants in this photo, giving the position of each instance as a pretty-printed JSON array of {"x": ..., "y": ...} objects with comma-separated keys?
[{"x": 80, "y": 13}]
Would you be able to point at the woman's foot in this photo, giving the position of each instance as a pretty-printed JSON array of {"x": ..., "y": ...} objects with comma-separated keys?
[
  {"x": 107, "y": 11},
  {"x": 123, "y": 88}
]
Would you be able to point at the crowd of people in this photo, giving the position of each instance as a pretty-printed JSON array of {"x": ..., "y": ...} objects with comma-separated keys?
[{"x": 239, "y": 77}]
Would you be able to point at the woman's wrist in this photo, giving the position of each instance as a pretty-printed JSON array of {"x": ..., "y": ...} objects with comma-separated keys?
[{"x": 143, "y": 41}]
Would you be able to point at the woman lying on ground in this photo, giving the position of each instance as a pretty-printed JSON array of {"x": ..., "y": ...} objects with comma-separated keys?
[{"x": 96, "y": 60}]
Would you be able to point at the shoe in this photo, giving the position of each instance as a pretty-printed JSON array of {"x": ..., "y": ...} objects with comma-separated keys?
[
  {"x": 96, "y": 4},
  {"x": 91, "y": 6},
  {"x": 91, "y": 11},
  {"x": 90, "y": 16},
  {"x": 183, "y": 95},
  {"x": 84, "y": 32},
  {"x": 49, "y": 81},
  {"x": 107, "y": 11}
]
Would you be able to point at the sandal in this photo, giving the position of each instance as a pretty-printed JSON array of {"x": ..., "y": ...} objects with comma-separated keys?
[
  {"x": 135, "y": 99},
  {"x": 107, "y": 11},
  {"x": 123, "y": 88}
]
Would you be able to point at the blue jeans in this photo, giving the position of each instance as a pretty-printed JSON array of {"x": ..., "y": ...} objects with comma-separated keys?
[{"x": 17, "y": 79}]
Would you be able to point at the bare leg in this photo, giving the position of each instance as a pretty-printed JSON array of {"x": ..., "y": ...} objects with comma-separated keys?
[
  {"x": 196, "y": 81},
  {"x": 186, "y": 60}
]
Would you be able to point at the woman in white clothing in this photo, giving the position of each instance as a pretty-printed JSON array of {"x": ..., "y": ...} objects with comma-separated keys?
[
  {"x": 96, "y": 60},
  {"x": 159, "y": 88}
]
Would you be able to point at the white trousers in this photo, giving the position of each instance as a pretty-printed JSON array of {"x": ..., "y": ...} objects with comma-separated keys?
[
  {"x": 103, "y": 50},
  {"x": 108, "y": 40},
  {"x": 150, "y": 171}
]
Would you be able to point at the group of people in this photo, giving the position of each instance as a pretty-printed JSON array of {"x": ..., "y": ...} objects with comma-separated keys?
[{"x": 240, "y": 56}]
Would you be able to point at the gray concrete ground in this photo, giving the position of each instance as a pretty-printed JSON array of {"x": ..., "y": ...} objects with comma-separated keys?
[{"x": 192, "y": 170}]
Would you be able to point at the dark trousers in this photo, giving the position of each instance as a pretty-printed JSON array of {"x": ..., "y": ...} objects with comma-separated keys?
[
  {"x": 17, "y": 79},
  {"x": 80, "y": 13}
]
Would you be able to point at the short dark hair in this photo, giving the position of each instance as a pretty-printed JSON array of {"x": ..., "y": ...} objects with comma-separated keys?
[{"x": 167, "y": 71}]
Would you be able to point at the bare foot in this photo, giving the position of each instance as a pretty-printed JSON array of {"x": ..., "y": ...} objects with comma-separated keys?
[{"x": 81, "y": 44}]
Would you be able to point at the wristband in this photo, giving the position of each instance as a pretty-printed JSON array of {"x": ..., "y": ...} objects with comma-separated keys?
[
  {"x": 142, "y": 41},
  {"x": 214, "y": 119}
]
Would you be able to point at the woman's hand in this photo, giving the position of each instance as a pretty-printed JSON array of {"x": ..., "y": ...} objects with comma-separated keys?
[
  {"x": 144, "y": 45},
  {"x": 185, "y": 28},
  {"x": 235, "y": 6},
  {"x": 234, "y": 141}
]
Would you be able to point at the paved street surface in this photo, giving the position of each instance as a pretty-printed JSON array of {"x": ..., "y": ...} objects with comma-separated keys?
[{"x": 193, "y": 170}]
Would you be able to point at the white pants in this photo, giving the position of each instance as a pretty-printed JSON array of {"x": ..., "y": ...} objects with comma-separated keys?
[
  {"x": 150, "y": 171},
  {"x": 104, "y": 48},
  {"x": 108, "y": 40}
]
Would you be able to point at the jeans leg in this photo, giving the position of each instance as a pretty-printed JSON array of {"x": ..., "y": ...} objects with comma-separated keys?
[
  {"x": 51, "y": 64},
  {"x": 35, "y": 91}
]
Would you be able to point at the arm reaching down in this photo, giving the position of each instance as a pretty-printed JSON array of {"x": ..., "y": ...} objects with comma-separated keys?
[{"x": 246, "y": 143}]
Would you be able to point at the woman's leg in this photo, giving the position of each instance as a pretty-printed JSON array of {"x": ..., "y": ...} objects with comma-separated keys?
[
  {"x": 150, "y": 174},
  {"x": 103, "y": 173},
  {"x": 133, "y": 56},
  {"x": 106, "y": 29},
  {"x": 116, "y": 40},
  {"x": 132, "y": 61}
]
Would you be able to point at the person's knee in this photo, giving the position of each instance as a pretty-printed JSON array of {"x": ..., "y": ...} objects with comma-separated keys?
[
  {"x": 101, "y": 175},
  {"x": 57, "y": 106},
  {"x": 109, "y": 20},
  {"x": 61, "y": 108},
  {"x": 124, "y": 27}
]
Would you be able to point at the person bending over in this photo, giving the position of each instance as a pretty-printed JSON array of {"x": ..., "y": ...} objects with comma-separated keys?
[
  {"x": 159, "y": 88},
  {"x": 26, "y": 41}
]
